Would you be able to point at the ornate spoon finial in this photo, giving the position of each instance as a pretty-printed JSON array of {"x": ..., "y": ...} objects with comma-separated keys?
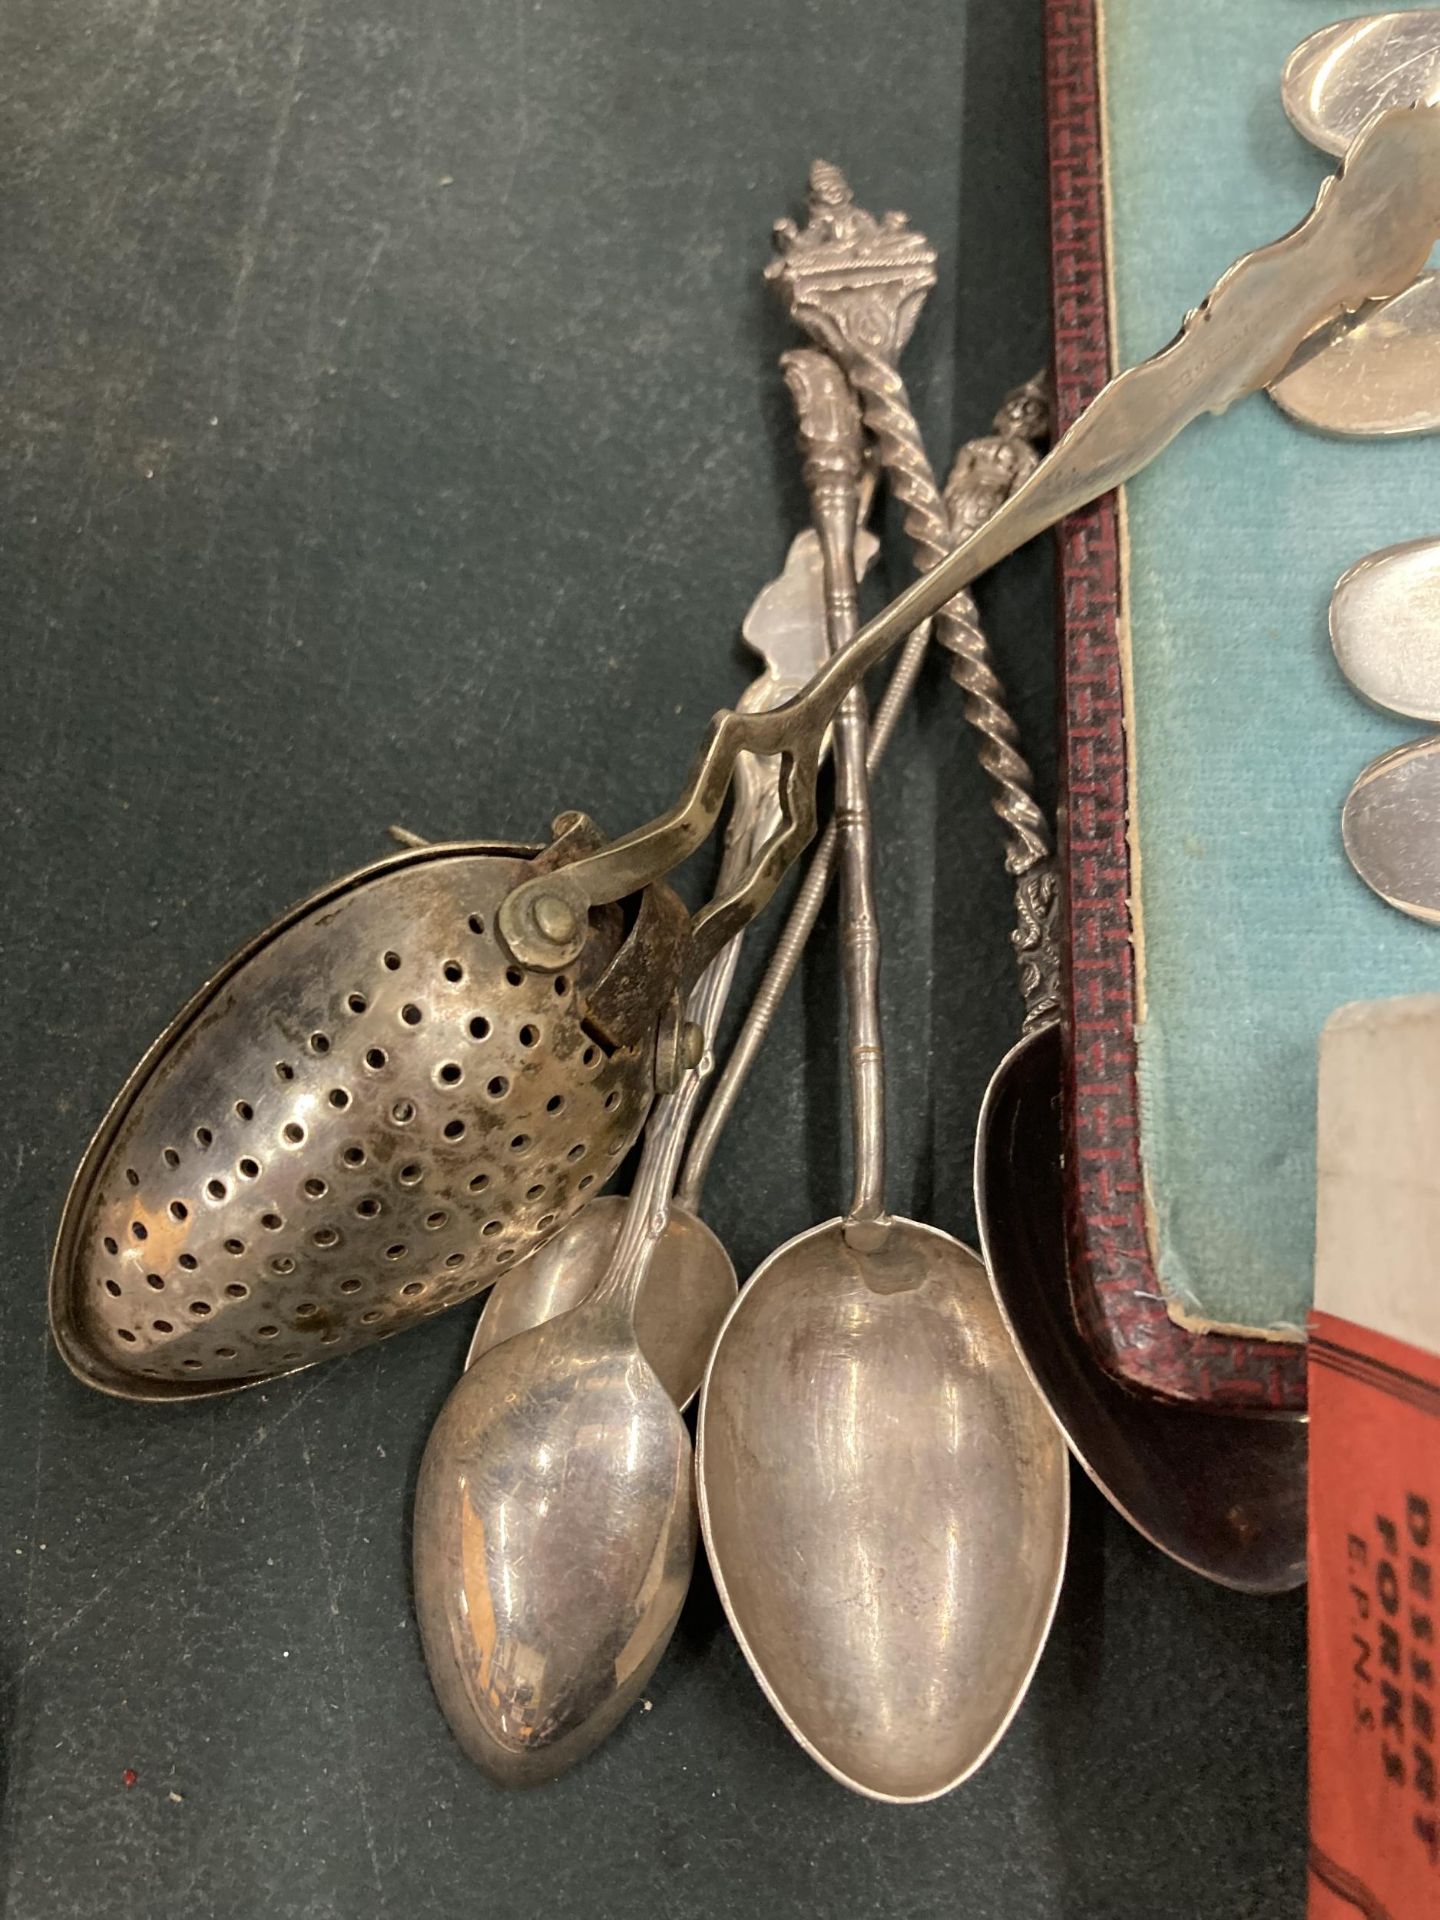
[{"x": 853, "y": 282}]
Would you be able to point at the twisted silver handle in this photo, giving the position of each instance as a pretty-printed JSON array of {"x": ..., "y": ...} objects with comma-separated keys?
[{"x": 993, "y": 467}]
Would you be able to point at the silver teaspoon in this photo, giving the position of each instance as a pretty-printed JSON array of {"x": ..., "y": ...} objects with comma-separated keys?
[
  {"x": 1385, "y": 629},
  {"x": 555, "y": 1519},
  {"x": 883, "y": 1497}
]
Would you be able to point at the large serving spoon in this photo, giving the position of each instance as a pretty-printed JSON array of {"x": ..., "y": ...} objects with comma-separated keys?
[
  {"x": 883, "y": 1498},
  {"x": 1376, "y": 373},
  {"x": 690, "y": 1284}
]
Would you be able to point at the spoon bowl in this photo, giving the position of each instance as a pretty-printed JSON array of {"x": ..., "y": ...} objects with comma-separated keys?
[
  {"x": 1389, "y": 827},
  {"x": 687, "y": 1292},
  {"x": 1385, "y": 628},
  {"x": 884, "y": 1501},
  {"x": 883, "y": 1496},
  {"x": 555, "y": 1534},
  {"x": 1370, "y": 375},
  {"x": 1222, "y": 1493},
  {"x": 1345, "y": 73},
  {"x": 365, "y": 1116}
]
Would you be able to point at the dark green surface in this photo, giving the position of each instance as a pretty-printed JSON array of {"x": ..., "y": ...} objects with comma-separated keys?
[{"x": 391, "y": 431}]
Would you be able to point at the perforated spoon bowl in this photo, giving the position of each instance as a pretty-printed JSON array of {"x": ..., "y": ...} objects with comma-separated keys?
[{"x": 362, "y": 1119}]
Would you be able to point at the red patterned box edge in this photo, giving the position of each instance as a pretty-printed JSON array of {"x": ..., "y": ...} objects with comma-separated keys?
[{"x": 1118, "y": 1300}]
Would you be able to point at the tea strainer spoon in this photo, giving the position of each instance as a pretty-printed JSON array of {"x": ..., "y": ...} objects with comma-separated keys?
[{"x": 365, "y": 1116}]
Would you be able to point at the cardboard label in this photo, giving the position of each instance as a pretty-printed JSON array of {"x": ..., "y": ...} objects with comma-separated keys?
[{"x": 1374, "y": 1625}]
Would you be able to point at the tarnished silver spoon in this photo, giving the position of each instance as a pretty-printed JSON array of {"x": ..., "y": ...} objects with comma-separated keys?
[
  {"x": 1223, "y": 1493},
  {"x": 690, "y": 1285},
  {"x": 555, "y": 1519},
  {"x": 883, "y": 1497}
]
